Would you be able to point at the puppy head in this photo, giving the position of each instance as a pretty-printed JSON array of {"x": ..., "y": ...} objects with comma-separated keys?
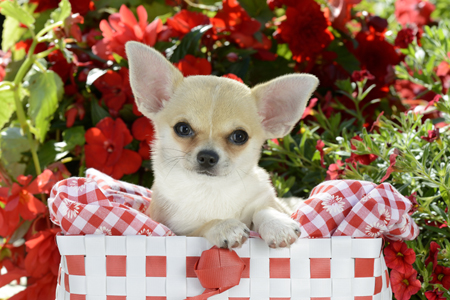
[{"x": 207, "y": 125}]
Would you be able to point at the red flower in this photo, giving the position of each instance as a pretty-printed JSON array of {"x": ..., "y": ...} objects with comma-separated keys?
[
  {"x": 404, "y": 38},
  {"x": 309, "y": 109},
  {"x": 184, "y": 21},
  {"x": 20, "y": 199},
  {"x": 335, "y": 170},
  {"x": 364, "y": 159},
  {"x": 78, "y": 6},
  {"x": 415, "y": 204},
  {"x": 391, "y": 168},
  {"x": 319, "y": 146},
  {"x": 143, "y": 131},
  {"x": 42, "y": 288},
  {"x": 432, "y": 136},
  {"x": 26, "y": 44},
  {"x": 433, "y": 102},
  {"x": 74, "y": 110},
  {"x": 43, "y": 255},
  {"x": 377, "y": 122},
  {"x": 399, "y": 257},
  {"x": 116, "y": 90},
  {"x": 413, "y": 12},
  {"x": 232, "y": 76},
  {"x": 404, "y": 285},
  {"x": 361, "y": 75},
  {"x": 60, "y": 66},
  {"x": 305, "y": 30},
  {"x": 441, "y": 275},
  {"x": 191, "y": 65},
  {"x": 376, "y": 54},
  {"x": 124, "y": 27},
  {"x": 239, "y": 27},
  {"x": 435, "y": 295},
  {"x": 433, "y": 256},
  {"x": 105, "y": 149},
  {"x": 339, "y": 12}
]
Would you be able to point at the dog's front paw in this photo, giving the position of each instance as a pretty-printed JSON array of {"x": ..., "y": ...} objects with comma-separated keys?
[
  {"x": 279, "y": 232},
  {"x": 229, "y": 233}
]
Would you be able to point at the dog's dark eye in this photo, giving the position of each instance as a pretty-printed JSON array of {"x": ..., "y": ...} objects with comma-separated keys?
[
  {"x": 239, "y": 137},
  {"x": 183, "y": 129}
]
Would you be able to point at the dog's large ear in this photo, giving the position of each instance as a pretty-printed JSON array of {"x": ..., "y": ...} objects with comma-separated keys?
[
  {"x": 153, "y": 78},
  {"x": 281, "y": 102}
]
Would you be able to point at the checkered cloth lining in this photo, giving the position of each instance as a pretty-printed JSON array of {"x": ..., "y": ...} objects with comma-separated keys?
[
  {"x": 157, "y": 268},
  {"x": 98, "y": 204},
  {"x": 358, "y": 209}
]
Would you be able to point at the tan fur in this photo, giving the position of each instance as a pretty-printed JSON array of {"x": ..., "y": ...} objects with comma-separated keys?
[{"x": 239, "y": 196}]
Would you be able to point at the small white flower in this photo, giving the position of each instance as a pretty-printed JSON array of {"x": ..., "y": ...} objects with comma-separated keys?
[
  {"x": 385, "y": 216},
  {"x": 364, "y": 199},
  {"x": 333, "y": 204},
  {"x": 375, "y": 229},
  {"x": 73, "y": 209},
  {"x": 405, "y": 225},
  {"x": 145, "y": 232},
  {"x": 103, "y": 230}
]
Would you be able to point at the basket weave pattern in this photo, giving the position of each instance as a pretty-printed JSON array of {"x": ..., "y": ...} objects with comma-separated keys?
[{"x": 95, "y": 267}]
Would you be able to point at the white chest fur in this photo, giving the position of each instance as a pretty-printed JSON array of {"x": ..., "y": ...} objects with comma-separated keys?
[{"x": 191, "y": 200}]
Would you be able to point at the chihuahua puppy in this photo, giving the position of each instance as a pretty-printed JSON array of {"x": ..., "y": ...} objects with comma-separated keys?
[{"x": 208, "y": 137}]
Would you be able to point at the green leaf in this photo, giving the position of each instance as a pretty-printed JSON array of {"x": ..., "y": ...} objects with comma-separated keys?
[
  {"x": 61, "y": 13},
  {"x": 14, "y": 10},
  {"x": 97, "y": 112},
  {"x": 74, "y": 137},
  {"x": 257, "y": 9},
  {"x": 344, "y": 57},
  {"x": 189, "y": 43},
  {"x": 160, "y": 10},
  {"x": 6, "y": 103},
  {"x": 12, "y": 32},
  {"x": 51, "y": 151},
  {"x": 46, "y": 90},
  {"x": 12, "y": 145}
]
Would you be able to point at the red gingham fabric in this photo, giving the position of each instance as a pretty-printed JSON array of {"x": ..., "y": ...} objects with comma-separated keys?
[
  {"x": 358, "y": 209},
  {"x": 98, "y": 204}
]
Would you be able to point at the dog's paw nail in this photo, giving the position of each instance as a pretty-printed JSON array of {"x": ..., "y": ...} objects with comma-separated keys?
[
  {"x": 283, "y": 244},
  {"x": 297, "y": 232},
  {"x": 244, "y": 239},
  {"x": 247, "y": 231},
  {"x": 292, "y": 240},
  {"x": 225, "y": 244},
  {"x": 236, "y": 244}
]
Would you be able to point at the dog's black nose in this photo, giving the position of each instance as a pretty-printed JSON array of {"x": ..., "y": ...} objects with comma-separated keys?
[{"x": 207, "y": 158}]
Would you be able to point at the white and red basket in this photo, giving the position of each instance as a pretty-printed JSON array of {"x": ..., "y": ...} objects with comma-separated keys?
[{"x": 98, "y": 267}]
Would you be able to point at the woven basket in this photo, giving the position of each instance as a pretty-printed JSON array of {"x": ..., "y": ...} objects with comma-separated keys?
[{"x": 97, "y": 267}]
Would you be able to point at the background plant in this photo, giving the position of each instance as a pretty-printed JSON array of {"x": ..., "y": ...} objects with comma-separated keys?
[{"x": 381, "y": 112}]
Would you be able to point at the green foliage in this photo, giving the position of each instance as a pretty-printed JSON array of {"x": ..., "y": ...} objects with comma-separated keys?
[
  {"x": 7, "y": 101},
  {"x": 46, "y": 90},
  {"x": 14, "y": 10}
]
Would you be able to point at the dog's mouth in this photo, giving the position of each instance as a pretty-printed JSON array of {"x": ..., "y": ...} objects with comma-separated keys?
[{"x": 207, "y": 173}]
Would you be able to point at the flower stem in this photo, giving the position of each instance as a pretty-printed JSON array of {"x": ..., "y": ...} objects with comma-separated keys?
[{"x": 19, "y": 108}]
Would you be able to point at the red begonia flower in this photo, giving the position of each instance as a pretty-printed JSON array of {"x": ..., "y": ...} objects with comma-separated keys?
[
  {"x": 319, "y": 146},
  {"x": 441, "y": 275},
  {"x": 413, "y": 12},
  {"x": 399, "y": 257},
  {"x": 20, "y": 199},
  {"x": 239, "y": 26},
  {"x": 124, "y": 27},
  {"x": 105, "y": 149},
  {"x": 339, "y": 12},
  {"x": 432, "y": 135},
  {"x": 38, "y": 288},
  {"x": 75, "y": 110},
  {"x": 143, "y": 131},
  {"x": 59, "y": 65},
  {"x": 232, "y": 76},
  {"x": 361, "y": 75},
  {"x": 435, "y": 295},
  {"x": 376, "y": 54},
  {"x": 116, "y": 90},
  {"x": 335, "y": 170},
  {"x": 191, "y": 65},
  {"x": 363, "y": 159},
  {"x": 404, "y": 38},
  {"x": 182, "y": 22},
  {"x": 404, "y": 285},
  {"x": 433, "y": 256},
  {"x": 42, "y": 253},
  {"x": 391, "y": 168},
  {"x": 305, "y": 30}
]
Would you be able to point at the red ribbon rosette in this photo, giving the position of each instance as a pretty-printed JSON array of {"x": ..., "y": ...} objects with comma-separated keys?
[{"x": 218, "y": 270}]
